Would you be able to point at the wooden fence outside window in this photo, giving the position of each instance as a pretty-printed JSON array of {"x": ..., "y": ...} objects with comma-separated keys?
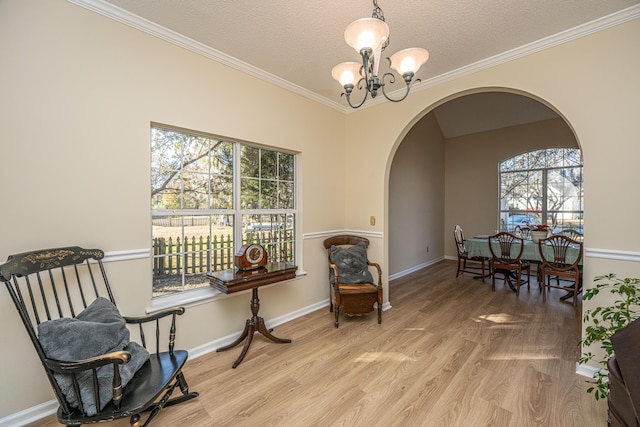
[{"x": 200, "y": 254}]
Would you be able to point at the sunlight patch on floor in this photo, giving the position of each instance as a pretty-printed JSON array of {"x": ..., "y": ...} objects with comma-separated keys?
[
  {"x": 383, "y": 356},
  {"x": 526, "y": 356},
  {"x": 501, "y": 318}
]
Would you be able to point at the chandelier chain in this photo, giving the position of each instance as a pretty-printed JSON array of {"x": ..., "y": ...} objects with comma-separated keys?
[{"x": 379, "y": 14}]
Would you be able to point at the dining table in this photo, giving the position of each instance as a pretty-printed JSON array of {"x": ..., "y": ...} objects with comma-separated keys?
[{"x": 479, "y": 246}]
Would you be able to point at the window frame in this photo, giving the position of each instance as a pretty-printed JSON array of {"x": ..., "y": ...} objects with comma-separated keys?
[
  {"x": 545, "y": 170},
  {"x": 235, "y": 212}
]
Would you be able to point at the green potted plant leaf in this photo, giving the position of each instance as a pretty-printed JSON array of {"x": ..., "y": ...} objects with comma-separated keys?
[{"x": 603, "y": 321}]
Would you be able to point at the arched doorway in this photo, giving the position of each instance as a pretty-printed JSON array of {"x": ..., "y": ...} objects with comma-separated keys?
[{"x": 444, "y": 171}]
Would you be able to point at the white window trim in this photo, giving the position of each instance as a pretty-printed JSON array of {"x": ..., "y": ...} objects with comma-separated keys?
[{"x": 204, "y": 294}]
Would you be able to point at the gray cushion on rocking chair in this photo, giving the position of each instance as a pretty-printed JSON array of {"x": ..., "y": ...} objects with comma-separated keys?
[
  {"x": 97, "y": 330},
  {"x": 351, "y": 263}
]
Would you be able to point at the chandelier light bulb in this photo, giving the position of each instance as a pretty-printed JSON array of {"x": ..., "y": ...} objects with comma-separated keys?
[
  {"x": 346, "y": 73},
  {"x": 366, "y": 39},
  {"x": 366, "y": 33},
  {"x": 409, "y": 60}
]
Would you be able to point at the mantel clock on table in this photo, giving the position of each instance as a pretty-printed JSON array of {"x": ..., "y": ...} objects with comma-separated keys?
[{"x": 252, "y": 271}]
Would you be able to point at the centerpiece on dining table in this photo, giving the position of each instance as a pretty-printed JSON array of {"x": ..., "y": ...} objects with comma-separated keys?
[{"x": 539, "y": 231}]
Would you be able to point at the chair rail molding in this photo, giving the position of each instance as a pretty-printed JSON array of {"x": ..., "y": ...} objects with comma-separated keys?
[{"x": 612, "y": 254}]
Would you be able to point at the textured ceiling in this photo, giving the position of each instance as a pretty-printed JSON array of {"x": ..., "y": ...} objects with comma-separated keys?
[{"x": 300, "y": 41}]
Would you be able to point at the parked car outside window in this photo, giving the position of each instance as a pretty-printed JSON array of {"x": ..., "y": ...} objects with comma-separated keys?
[{"x": 516, "y": 222}]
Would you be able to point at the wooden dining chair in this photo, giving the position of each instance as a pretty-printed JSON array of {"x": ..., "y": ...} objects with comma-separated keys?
[
  {"x": 555, "y": 263},
  {"x": 466, "y": 263},
  {"x": 571, "y": 233},
  {"x": 524, "y": 232},
  {"x": 508, "y": 261}
]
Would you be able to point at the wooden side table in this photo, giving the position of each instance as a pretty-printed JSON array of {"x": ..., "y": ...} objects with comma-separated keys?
[{"x": 231, "y": 281}]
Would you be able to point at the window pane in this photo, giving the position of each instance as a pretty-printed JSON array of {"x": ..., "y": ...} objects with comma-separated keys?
[
  {"x": 250, "y": 193},
  {"x": 222, "y": 158},
  {"x": 276, "y": 232},
  {"x": 285, "y": 166},
  {"x": 195, "y": 190},
  {"x": 196, "y": 154},
  {"x": 521, "y": 190},
  {"x": 221, "y": 192},
  {"x": 537, "y": 159},
  {"x": 186, "y": 247},
  {"x": 268, "y": 164},
  {"x": 269, "y": 194},
  {"x": 250, "y": 163},
  {"x": 285, "y": 195},
  {"x": 166, "y": 199}
]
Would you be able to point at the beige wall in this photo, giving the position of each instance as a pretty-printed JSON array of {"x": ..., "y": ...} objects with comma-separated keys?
[
  {"x": 471, "y": 197},
  {"x": 78, "y": 94},
  {"x": 416, "y": 198}
]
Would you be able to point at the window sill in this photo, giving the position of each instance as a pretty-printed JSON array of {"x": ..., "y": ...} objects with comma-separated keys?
[{"x": 196, "y": 297}]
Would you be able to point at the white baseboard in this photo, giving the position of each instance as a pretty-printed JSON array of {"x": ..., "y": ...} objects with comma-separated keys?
[
  {"x": 414, "y": 269},
  {"x": 30, "y": 415},
  {"x": 220, "y": 342},
  {"x": 586, "y": 370}
]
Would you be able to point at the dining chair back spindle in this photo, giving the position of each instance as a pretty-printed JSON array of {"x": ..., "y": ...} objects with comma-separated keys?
[
  {"x": 506, "y": 253},
  {"x": 571, "y": 233}
]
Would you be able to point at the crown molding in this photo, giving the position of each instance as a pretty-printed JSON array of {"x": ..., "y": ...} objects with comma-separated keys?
[
  {"x": 125, "y": 17},
  {"x": 120, "y": 15},
  {"x": 583, "y": 30}
]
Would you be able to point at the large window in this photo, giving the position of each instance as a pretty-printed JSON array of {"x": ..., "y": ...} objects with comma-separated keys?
[
  {"x": 209, "y": 196},
  {"x": 542, "y": 187}
]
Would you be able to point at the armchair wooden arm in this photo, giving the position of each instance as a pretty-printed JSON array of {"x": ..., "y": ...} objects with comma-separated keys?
[
  {"x": 155, "y": 317},
  {"x": 377, "y": 266},
  {"x": 78, "y": 367}
]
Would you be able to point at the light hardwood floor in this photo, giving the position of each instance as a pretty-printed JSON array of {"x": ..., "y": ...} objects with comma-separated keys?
[{"x": 449, "y": 353}]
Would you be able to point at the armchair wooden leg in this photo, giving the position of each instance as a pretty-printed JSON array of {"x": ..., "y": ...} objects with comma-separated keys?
[
  {"x": 330, "y": 299},
  {"x": 337, "y": 313}
]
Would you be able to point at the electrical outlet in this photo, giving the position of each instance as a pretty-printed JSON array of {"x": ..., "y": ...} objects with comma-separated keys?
[{"x": 372, "y": 220}]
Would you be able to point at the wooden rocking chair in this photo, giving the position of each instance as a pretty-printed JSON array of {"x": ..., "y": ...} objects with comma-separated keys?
[{"x": 67, "y": 288}]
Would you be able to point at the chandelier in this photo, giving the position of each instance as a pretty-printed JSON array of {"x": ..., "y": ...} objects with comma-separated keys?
[{"x": 369, "y": 37}]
